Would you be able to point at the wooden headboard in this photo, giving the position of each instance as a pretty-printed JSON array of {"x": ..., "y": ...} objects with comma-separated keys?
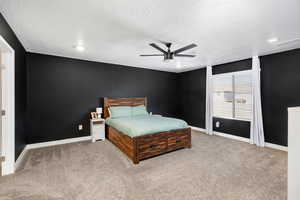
[{"x": 108, "y": 102}]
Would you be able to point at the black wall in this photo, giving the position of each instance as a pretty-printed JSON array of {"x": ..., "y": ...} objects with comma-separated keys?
[
  {"x": 233, "y": 127},
  {"x": 280, "y": 79},
  {"x": 280, "y": 90},
  {"x": 63, "y": 91},
  {"x": 20, "y": 84},
  {"x": 192, "y": 91}
]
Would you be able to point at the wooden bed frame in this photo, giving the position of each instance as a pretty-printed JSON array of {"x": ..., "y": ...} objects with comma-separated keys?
[{"x": 138, "y": 148}]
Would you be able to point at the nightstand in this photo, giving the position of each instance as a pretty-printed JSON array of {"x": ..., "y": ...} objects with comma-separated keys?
[{"x": 97, "y": 129}]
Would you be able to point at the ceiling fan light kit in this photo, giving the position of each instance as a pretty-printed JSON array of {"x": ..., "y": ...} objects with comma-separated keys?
[{"x": 168, "y": 54}]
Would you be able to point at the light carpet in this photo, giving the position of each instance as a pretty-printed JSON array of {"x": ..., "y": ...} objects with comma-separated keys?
[{"x": 215, "y": 168}]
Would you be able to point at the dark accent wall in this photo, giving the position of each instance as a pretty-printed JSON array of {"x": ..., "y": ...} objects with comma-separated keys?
[
  {"x": 20, "y": 84},
  {"x": 232, "y": 67},
  {"x": 280, "y": 78},
  {"x": 233, "y": 127},
  {"x": 192, "y": 89},
  {"x": 280, "y": 90},
  {"x": 63, "y": 91}
]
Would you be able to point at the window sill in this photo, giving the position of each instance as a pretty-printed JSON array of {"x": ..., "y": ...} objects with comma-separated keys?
[{"x": 237, "y": 119}]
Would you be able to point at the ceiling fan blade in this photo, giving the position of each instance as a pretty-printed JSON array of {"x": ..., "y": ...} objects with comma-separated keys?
[
  {"x": 157, "y": 47},
  {"x": 152, "y": 55},
  {"x": 184, "y": 48},
  {"x": 184, "y": 55}
]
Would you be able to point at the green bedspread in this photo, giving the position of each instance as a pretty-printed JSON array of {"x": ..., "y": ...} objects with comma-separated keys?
[{"x": 145, "y": 124}]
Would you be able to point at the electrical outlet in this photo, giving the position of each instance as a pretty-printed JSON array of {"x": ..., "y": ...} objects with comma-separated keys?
[
  {"x": 80, "y": 127},
  {"x": 217, "y": 124}
]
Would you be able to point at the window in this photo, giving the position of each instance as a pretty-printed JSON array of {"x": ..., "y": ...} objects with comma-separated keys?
[{"x": 232, "y": 96}]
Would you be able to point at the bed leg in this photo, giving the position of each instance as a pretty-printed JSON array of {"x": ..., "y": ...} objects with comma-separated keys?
[
  {"x": 190, "y": 138},
  {"x": 136, "y": 161},
  {"x": 135, "y": 158}
]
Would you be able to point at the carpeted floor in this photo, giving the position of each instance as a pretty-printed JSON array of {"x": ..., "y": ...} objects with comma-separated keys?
[{"x": 214, "y": 168}]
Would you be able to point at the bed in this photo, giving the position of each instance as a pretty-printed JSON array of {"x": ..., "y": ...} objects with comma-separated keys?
[{"x": 141, "y": 137}]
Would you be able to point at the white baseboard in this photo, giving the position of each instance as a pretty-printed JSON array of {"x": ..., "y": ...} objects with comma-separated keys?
[
  {"x": 233, "y": 137},
  {"x": 21, "y": 158},
  {"x": 276, "y": 146},
  {"x": 198, "y": 129},
  {"x": 46, "y": 144},
  {"x": 57, "y": 142},
  {"x": 242, "y": 139}
]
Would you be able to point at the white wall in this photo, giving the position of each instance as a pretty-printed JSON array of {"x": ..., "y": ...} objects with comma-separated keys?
[
  {"x": 294, "y": 153},
  {"x": 8, "y": 104}
]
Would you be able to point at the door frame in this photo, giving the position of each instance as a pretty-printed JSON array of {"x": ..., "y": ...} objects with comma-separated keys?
[{"x": 8, "y": 104}]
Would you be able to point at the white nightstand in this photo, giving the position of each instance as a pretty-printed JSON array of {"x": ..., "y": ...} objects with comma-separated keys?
[{"x": 97, "y": 129}]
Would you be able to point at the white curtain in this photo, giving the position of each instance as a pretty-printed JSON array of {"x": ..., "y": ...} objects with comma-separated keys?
[
  {"x": 257, "y": 129},
  {"x": 209, "y": 101}
]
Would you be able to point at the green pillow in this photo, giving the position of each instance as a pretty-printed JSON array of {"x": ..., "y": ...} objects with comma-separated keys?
[
  {"x": 120, "y": 111},
  {"x": 139, "y": 110}
]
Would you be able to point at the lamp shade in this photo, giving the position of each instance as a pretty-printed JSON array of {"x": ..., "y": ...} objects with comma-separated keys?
[{"x": 98, "y": 110}]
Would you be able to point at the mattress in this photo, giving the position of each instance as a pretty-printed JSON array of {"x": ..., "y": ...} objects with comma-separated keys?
[{"x": 145, "y": 124}]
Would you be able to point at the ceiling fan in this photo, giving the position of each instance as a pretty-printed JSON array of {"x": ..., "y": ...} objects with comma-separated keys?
[{"x": 168, "y": 54}]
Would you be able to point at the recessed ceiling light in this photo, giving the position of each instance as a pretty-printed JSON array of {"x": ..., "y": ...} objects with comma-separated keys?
[
  {"x": 79, "y": 47},
  {"x": 273, "y": 40}
]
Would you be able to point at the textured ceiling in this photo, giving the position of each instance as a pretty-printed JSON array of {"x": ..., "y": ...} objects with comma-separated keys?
[{"x": 117, "y": 31}]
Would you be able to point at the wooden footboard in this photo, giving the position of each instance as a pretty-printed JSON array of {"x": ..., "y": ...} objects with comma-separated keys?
[{"x": 142, "y": 147}]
